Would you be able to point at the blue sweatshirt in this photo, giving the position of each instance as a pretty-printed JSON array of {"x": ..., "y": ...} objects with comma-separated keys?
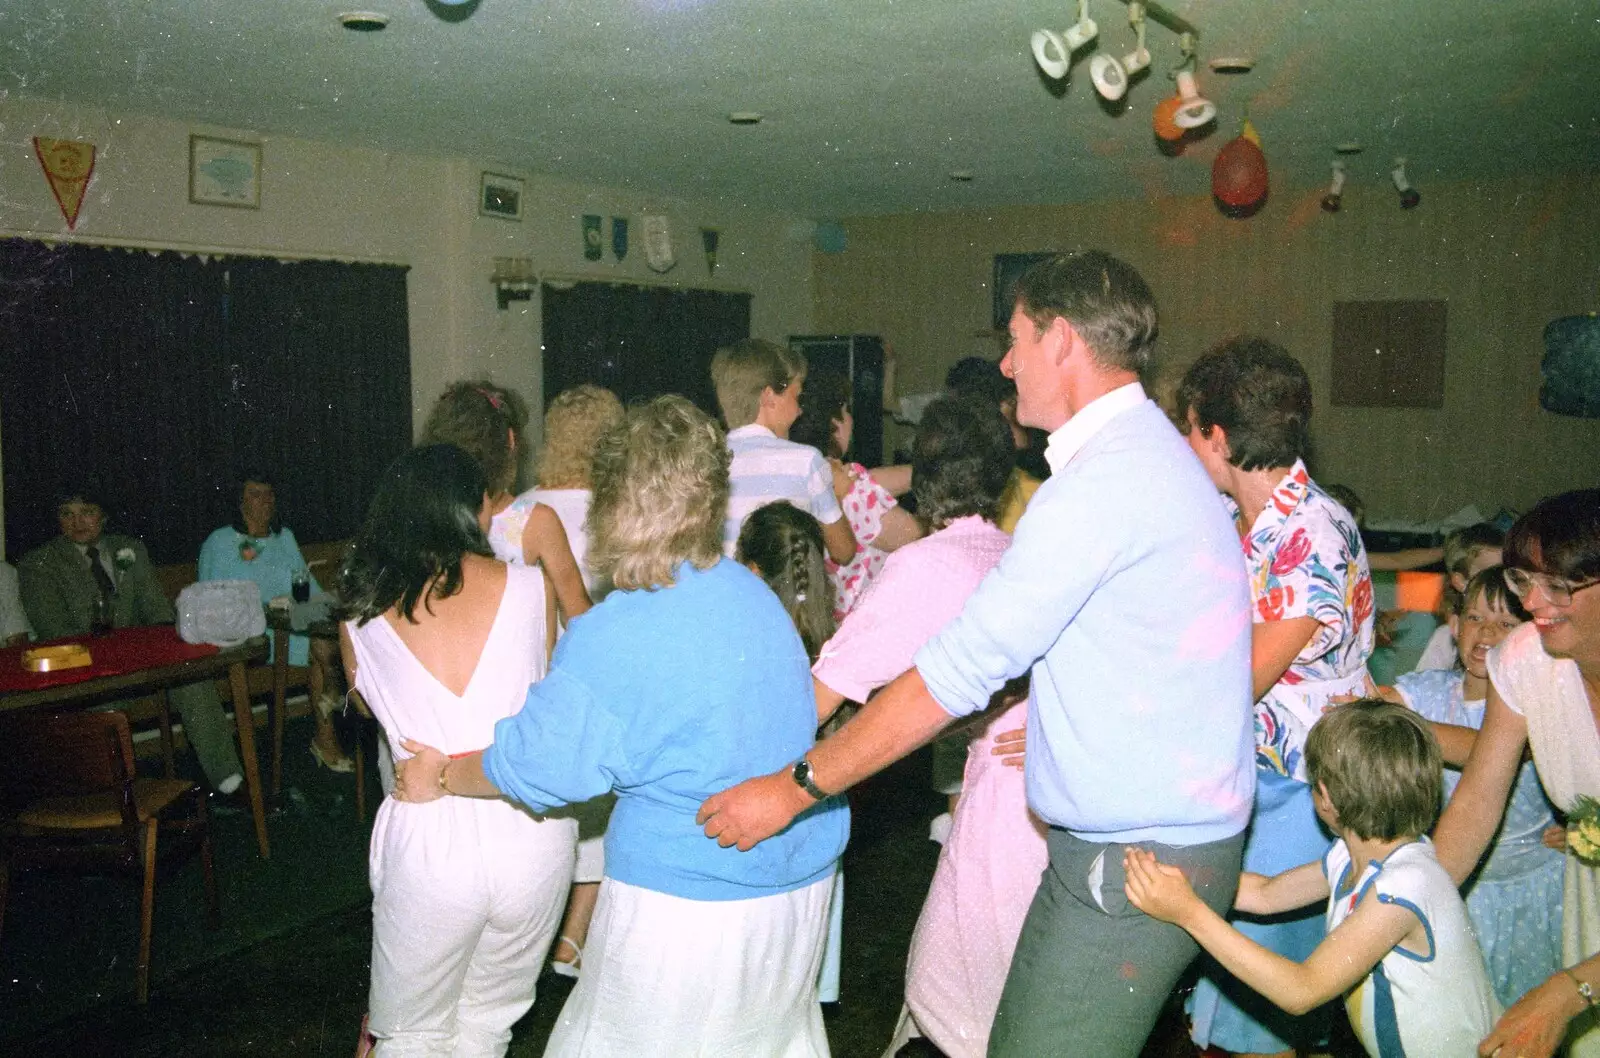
[{"x": 667, "y": 697}]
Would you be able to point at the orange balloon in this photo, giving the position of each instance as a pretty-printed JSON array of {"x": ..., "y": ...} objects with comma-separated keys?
[{"x": 1162, "y": 119}]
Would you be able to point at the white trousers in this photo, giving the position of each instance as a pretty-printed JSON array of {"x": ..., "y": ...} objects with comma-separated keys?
[
  {"x": 466, "y": 898},
  {"x": 666, "y": 977}
]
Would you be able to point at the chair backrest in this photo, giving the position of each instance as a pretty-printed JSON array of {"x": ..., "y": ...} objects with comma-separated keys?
[{"x": 62, "y": 754}]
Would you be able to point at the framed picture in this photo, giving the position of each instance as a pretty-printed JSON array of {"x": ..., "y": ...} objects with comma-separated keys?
[
  {"x": 224, "y": 172},
  {"x": 500, "y": 196}
]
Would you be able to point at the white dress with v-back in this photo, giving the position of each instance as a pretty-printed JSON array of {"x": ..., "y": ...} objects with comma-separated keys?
[{"x": 466, "y": 892}]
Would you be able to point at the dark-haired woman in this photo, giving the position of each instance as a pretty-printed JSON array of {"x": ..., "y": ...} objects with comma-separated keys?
[
  {"x": 866, "y": 497},
  {"x": 258, "y": 547},
  {"x": 1544, "y": 695},
  {"x": 1247, "y": 405},
  {"x": 443, "y": 641},
  {"x": 989, "y": 868}
]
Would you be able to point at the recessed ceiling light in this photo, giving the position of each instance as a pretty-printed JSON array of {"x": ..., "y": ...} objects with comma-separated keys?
[
  {"x": 746, "y": 117},
  {"x": 1352, "y": 147},
  {"x": 1232, "y": 64},
  {"x": 363, "y": 21},
  {"x": 961, "y": 176}
]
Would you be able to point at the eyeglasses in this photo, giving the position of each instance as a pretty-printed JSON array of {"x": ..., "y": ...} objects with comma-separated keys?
[{"x": 1559, "y": 590}]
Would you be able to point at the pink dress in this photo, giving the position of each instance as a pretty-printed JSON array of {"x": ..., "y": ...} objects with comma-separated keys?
[{"x": 992, "y": 860}]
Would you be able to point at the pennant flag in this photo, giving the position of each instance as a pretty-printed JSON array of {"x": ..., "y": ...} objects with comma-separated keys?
[
  {"x": 591, "y": 237},
  {"x": 619, "y": 237},
  {"x": 68, "y": 165},
  {"x": 708, "y": 236}
]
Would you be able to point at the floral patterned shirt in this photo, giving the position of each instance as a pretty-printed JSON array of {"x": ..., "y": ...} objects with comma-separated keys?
[
  {"x": 1305, "y": 559},
  {"x": 864, "y": 505}
]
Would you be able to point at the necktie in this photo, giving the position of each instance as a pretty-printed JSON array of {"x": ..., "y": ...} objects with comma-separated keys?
[{"x": 101, "y": 577}]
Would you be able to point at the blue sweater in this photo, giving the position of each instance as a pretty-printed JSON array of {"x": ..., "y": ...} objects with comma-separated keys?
[
  {"x": 1124, "y": 592},
  {"x": 667, "y": 697}
]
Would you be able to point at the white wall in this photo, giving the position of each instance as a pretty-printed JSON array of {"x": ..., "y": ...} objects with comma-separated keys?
[{"x": 320, "y": 199}]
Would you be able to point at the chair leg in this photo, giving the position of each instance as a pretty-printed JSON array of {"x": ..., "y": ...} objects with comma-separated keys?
[
  {"x": 167, "y": 750},
  {"x": 208, "y": 866},
  {"x": 147, "y": 906}
]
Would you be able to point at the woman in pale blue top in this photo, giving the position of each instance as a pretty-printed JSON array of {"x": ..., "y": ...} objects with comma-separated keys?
[
  {"x": 687, "y": 677},
  {"x": 258, "y": 547}
]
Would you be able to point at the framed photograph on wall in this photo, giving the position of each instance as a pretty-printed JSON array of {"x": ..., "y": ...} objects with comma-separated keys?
[
  {"x": 500, "y": 196},
  {"x": 224, "y": 172}
]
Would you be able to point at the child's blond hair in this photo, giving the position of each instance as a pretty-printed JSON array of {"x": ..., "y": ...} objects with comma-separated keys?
[
  {"x": 1380, "y": 766},
  {"x": 740, "y": 372}
]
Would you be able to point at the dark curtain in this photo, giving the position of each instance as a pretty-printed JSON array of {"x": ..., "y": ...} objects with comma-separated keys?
[
  {"x": 639, "y": 342},
  {"x": 132, "y": 371},
  {"x": 322, "y": 356}
]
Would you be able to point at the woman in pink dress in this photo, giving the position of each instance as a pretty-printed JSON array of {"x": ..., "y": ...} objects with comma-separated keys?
[{"x": 991, "y": 862}]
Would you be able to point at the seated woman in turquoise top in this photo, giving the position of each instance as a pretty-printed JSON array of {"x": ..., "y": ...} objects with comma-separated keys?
[
  {"x": 257, "y": 547},
  {"x": 689, "y": 675}
]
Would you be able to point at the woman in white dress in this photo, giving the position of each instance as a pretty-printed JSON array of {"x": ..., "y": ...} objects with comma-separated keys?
[
  {"x": 573, "y": 425},
  {"x": 1544, "y": 694},
  {"x": 443, "y": 641}
]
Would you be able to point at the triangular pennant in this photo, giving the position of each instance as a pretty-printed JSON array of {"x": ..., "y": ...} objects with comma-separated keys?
[{"x": 68, "y": 165}]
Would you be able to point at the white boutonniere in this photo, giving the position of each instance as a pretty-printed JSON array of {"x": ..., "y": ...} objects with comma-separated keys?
[{"x": 124, "y": 559}]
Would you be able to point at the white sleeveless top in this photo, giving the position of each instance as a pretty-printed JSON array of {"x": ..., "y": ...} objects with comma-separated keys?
[
  {"x": 571, "y": 507},
  {"x": 1549, "y": 694},
  {"x": 411, "y": 703}
]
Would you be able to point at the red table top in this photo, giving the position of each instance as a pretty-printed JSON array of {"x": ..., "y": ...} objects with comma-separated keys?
[{"x": 124, "y": 650}]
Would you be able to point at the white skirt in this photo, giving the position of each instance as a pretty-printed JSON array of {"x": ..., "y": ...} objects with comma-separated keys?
[{"x": 665, "y": 977}]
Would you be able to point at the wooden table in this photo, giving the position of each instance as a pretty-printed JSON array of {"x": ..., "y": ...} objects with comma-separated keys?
[{"x": 229, "y": 661}]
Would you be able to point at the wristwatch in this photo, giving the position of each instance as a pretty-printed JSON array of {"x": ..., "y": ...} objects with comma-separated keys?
[{"x": 802, "y": 779}]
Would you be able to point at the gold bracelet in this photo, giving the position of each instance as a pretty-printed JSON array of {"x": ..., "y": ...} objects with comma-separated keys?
[
  {"x": 444, "y": 785},
  {"x": 1584, "y": 988}
]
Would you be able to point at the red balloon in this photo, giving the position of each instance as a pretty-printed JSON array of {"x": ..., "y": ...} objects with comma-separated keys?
[{"x": 1239, "y": 175}]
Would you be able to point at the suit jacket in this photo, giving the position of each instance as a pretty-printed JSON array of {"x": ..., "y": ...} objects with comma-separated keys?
[{"x": 58, "y": 591}]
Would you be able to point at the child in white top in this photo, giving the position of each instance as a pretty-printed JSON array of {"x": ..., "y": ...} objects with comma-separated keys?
[{"x": 1399, "y": 945}]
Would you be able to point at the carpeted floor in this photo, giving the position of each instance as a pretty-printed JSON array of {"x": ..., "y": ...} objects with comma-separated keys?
[{"x": 286, "y": 974}]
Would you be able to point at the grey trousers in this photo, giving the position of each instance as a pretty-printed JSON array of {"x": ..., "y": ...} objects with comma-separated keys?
[
  {"x": 1091, "y": 972},
  {"x": 207, "y": 728}
]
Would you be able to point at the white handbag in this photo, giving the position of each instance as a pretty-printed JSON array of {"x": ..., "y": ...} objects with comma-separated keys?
[{"x": 221, "y": 612}]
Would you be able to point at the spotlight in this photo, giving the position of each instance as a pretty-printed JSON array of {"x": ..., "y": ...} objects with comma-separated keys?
[
  {"x": 1409, "y": 196},
  {"x": 1110, "y": 74},
  {"x": 1335, "y": 196},
  {"x": 1195, "y": 110},
  {"x": 1053, "y": 51}
]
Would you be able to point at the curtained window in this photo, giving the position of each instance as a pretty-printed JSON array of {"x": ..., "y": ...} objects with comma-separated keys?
[
  {"x": 158, "y": 376},
  {"x": 638, "y": 342}
]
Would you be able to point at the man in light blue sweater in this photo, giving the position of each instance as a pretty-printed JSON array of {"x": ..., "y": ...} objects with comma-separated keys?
[{"x": 1124, "y": 593}]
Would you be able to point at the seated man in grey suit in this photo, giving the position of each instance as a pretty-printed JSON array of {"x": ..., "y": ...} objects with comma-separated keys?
[{"x": 64, "y": 581}]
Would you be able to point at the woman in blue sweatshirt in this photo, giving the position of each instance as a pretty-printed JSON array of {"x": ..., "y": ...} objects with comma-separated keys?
[{"x": 688, "y": 678}]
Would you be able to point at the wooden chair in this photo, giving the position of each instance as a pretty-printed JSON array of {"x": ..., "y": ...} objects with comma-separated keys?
[{"x": 74, "y": 803}]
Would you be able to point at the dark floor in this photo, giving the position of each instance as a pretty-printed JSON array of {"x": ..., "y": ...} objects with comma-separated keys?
[{"x": 287, "y": 972}]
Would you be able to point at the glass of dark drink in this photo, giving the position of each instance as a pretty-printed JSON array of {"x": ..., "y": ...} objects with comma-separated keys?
[
  {"x": 100, "y": 616},
  {"x": 300, "y": 586}
]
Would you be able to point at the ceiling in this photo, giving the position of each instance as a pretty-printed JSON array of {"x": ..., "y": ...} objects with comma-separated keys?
[{"x": 869, "y": 104}]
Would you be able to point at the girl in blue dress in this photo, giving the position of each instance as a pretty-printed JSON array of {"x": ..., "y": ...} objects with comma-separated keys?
[{"x": 1514, "y": 899}]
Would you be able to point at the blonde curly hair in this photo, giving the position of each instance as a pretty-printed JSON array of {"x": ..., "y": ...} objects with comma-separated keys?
[
  {"x": 660, "y": 481},
  {"x": 573, "y": 425}
]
